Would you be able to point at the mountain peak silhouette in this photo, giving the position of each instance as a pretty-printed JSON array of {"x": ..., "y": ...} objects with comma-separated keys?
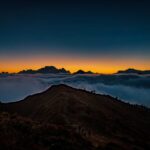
[
  {"x": 133, "y": 71},
  {"x": 45, "y": 70}
]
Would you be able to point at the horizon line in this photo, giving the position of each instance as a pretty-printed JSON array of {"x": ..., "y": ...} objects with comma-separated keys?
[{"x": 72, "y": 72}]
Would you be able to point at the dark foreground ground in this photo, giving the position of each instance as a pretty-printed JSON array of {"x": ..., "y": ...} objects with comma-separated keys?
[{"x": 64, "y": 118}]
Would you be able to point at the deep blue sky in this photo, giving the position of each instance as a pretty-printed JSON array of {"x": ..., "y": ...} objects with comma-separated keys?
[{"x": 84, "y": 27}]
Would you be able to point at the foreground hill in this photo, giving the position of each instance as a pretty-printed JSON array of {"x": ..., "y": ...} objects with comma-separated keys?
[{"x": 101, "y": 120}]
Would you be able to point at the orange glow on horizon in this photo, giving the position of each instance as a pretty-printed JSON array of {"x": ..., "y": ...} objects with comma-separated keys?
[{"x": 97, "y": 65}]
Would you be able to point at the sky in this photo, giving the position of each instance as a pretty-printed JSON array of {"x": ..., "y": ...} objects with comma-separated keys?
[{"x": 102, "y": 36}]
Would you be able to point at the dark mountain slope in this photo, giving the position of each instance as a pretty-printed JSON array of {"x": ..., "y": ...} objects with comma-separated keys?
[
  {"x": 19, "y": 133},
  {"x": 102, "y": 120}
]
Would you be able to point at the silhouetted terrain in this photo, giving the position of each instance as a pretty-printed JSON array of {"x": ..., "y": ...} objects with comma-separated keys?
[
  {"x": 45, "y": 70},
  {"x": 103, "y": 121},
  {"x": 83, "y": 72},
  {"x": 135, "y": 71},
  {"x": 52, "y": 69}
]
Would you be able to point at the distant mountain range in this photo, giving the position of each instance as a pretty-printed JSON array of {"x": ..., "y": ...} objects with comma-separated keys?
[
  {"x": 96, "y": 122},
  {"x": 52, "y": 69},
  {"x": 45, "y": 70},
  {"x": 83, "y": 72},
  {"x": 133, "y": 71}
]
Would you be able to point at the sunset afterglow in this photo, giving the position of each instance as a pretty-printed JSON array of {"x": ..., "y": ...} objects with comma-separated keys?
[
  {"x": 72, "y": 63},
  {"x": 100, "y": 36}
]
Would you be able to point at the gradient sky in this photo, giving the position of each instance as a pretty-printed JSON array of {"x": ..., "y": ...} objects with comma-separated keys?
[{"x": 102, "y": 36}]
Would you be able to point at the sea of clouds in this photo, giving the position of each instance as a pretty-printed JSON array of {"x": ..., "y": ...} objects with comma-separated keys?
[{"x": 130, "y": 88}]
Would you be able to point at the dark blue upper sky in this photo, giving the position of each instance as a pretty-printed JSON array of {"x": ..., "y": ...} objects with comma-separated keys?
[
  {"x": 102, "y": 26},
  {"x": 94, "y": 24}
]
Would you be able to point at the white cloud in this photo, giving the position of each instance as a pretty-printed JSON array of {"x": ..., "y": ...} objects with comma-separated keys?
[{"x": 133, "y": 89}]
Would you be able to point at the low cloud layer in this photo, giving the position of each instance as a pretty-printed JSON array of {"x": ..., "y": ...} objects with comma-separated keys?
[{"x": 130, "y": 88}]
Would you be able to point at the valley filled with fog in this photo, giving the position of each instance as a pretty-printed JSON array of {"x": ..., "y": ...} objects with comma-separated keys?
[{"x": 130, "y": 88}]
